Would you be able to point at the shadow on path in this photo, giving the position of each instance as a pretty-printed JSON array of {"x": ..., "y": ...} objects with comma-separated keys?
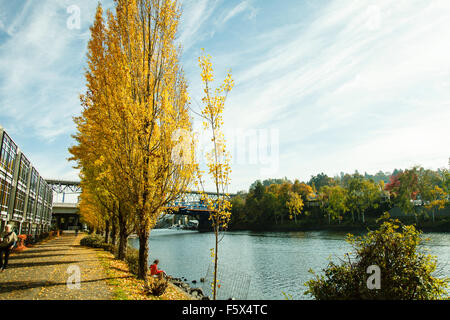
[
  {"x": 32, "y": 256},
  {"x": 37, "y": 264},
  {"x": 21, "y": 285},
  {"x": 41, "y": 272}
]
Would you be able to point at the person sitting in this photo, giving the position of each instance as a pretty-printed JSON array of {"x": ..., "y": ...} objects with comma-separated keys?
[
  {"x": 8, "y": 240},
  {"x": 154, "y": 270}
]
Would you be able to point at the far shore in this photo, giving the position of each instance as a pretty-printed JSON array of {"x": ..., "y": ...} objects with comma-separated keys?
[{"x": 425, "y": 226}]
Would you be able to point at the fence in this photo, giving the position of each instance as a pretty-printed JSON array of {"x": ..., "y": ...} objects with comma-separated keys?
[{"x": 232, "y": 283}]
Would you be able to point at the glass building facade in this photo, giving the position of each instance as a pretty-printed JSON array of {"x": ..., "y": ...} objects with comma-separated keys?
[{"x": 25, "y": 197}]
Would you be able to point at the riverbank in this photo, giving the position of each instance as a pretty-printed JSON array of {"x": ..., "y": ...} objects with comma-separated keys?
[
  {"x": 126, "y": 286},
  {"x": 347, "y": 226}
]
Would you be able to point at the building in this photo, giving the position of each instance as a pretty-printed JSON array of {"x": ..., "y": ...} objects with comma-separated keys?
[
  {"x": 65, "y": 210},
  {"x": 25, "y": 197}
]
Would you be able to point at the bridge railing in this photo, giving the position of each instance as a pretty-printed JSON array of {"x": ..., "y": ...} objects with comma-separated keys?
[{"x": 191, "y": 205}]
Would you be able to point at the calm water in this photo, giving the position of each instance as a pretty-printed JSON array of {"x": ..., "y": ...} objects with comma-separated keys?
[{"x": 264, "y": 264}]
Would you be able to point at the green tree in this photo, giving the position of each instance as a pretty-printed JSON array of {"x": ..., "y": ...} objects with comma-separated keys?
[
  {"x": 333, "y": 201},
  {"x": 405, "y": 271},
  {"x": 273, "y": 201},
  {"x": 427, "y": 181},
  {"x": 238, "y": 212},
  {"x": 437, "y": 200},
  {"x": 269, "y": 208},
  {"x": 446, "y": 181},
  {"x": 362, "y": 195},
  {"x": 258, "y": 189},
  {"x": 321, "y": 180}
]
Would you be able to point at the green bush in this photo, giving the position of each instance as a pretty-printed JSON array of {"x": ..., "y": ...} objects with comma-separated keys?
[
  {"x": 93, "y": 241},
  {"x": 406, "y": 273},
  {"x": 132, "y": 259}
]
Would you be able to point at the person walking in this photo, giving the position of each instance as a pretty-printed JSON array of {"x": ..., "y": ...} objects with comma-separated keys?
[{"x": 7, "y": 242}]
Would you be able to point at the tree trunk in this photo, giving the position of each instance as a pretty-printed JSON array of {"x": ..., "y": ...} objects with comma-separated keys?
[
  {"x": 113, "y": 232},
  {"x": 123, "y": 239},
  {"x": 143, "y": 226},
  {"x": 143, "y": 253},
  {"x": 122, "y": 247},
  {"x": 363, "y": 217},
  {"x": 216, "y": 231},
  {"x": 106, "y": 230}
]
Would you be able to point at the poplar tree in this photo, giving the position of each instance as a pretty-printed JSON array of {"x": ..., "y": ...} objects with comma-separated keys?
[{"x": 135, "y": 113}]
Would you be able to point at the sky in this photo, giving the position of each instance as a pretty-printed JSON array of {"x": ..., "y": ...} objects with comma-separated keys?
[{"x": 320, "y": 85}]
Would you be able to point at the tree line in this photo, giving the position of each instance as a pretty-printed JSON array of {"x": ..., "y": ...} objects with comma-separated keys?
[{"x": 346, "y": 197}]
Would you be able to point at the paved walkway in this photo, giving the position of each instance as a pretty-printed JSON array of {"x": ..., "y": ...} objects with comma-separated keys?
[{"x": 41, "y": 272}]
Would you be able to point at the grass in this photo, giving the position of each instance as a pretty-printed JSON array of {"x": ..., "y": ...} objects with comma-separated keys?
[{"x": 126, "y": 286}]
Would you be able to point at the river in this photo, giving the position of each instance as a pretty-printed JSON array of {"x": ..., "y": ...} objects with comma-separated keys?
[{"x": 260, "y": 265}]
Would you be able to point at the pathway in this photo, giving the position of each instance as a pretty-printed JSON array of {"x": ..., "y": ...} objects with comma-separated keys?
[{"x": 42, "y": 272}]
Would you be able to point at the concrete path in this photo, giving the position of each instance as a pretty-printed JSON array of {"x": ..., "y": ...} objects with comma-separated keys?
[{"x": 42, "y": 272}]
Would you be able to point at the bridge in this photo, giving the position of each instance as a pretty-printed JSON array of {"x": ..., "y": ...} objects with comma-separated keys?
[{"x": 66, "y": 215}]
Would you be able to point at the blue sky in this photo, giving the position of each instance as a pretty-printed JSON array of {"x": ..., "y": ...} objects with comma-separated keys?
[{"x": 343, "y": 85}]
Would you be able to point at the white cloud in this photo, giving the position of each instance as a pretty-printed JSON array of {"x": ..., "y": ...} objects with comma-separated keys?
[
  {"x": 346, "y": 85},
  {"x": 41, "y": 77},
  {"x": 241, "y": 7},
  {"x": 18, "y": 20},
  {"x": 195, "y": 13},
  {"x": 335, "y": 75},
  {"x": 41, "y": 71}
]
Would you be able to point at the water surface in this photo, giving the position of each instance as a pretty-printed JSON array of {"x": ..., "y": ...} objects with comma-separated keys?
[{"x": 261, "y": 265}]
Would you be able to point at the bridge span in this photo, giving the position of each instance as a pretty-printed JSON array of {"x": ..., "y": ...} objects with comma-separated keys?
[{"x": 66, "y": 215}]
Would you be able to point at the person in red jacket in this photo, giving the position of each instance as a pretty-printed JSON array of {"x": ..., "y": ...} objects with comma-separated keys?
[{"x": 154, "y": 270}]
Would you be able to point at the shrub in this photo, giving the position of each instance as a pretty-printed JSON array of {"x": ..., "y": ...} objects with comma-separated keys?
[
  {"x": 109, "y": 247},
  {"x": 405, "y": 272},
  {"x": 132, "y": 259},
  {"x": 29, "y": 240},
  {"x": 156, "y": 287},
  {"x": 93, "y": 241},
  {"x": 45, "y": 235}
]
